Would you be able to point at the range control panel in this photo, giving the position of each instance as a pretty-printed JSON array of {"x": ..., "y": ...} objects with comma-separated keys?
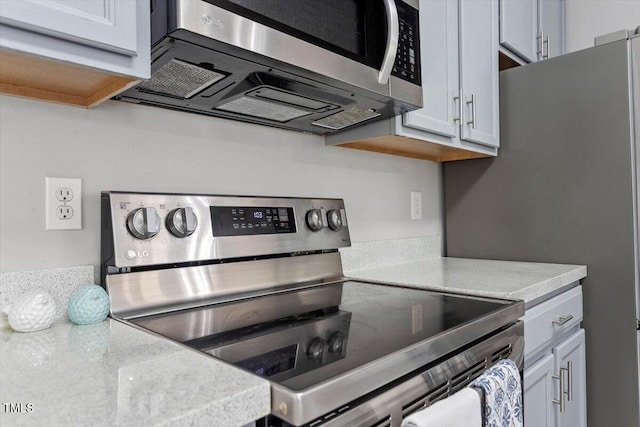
[
  {"x": 242, "y": 221},
  {"x": 150, "y": 229}
]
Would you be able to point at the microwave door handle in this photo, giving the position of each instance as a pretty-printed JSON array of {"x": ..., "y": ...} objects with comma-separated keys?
[{"x": 393, "y": 28}]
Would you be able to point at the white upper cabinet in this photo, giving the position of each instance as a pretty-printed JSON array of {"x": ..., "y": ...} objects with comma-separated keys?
[
  {"x": 532, "y": 29},
  {"x": 519, "y": 27},
  {"x": 551, "y": 22},
  {"x": 459, "y": 75},
  {"x": 479, "y": 71},
  {"x": 77, "y": 52},
  {"x": 440, "y": 76},
  {"x": 106, "y": 24},
  {"x": 460, "y": 116}
]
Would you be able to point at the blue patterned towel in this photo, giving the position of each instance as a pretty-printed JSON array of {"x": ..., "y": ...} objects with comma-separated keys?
[{"x": 502, "y": 395}]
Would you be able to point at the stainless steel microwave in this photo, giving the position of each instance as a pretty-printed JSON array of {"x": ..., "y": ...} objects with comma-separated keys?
[{"x": 317, "y": 66}]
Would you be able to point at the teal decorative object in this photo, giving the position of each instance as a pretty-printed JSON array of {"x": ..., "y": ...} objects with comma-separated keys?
[{"x": 89, "y": 304}]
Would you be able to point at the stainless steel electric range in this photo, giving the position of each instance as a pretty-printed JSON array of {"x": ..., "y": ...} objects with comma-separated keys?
[{"x": 257, "y": 282}]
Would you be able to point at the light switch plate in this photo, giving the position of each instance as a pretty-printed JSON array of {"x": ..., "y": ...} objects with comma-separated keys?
[{"x": 63, "y": 203}]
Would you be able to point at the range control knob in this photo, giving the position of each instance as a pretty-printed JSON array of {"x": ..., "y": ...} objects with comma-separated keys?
[
  {"x": 182, "y": 222},
  {"x": 314, "y": 219},
  {"x": 336, "y": 342},
  {"x": 143, "y": 223},
  {"x": 316, "y": 349},
  {"x": 334, "y": 219}
]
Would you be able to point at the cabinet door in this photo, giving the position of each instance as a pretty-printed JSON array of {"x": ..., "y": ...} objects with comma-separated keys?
[
  {"x": 478, "y": 32},
  {"x": 519, "y": 27},
  {"x": 570, "y": 362},
  {"x": 106, "y": 24},
  {"x": 538, "y": 393},
  {"x": 439, "y": 53},
  {"x": 551, "y": 15}
]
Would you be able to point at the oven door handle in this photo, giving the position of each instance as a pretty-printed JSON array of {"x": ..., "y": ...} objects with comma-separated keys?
[{"x": 393, "y": 28}]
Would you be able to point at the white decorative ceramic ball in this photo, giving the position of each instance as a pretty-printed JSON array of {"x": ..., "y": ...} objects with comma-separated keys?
[{"x": 33, "y": 311}]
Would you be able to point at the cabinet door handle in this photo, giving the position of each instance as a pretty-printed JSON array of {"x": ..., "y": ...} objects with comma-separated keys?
[
  {"x": 540, "y": 40},
  {"x": 562, "y": 320},
  {"x": 457, "y": 99},
  {"x": 472, "y": 122},
  {"x": 570, "y": 381},
  {"x": 561, "y": 392},
  {"x": 548, "y": 43}
]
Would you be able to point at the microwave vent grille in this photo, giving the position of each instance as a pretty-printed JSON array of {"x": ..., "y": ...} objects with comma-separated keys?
[
  {"x": 254, "y": 107},
  {"x": 346, "y": 118},
  {"x": 180, "y": 79}
]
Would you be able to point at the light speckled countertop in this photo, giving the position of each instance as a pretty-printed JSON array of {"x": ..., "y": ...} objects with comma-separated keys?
[
  {"x": 113, "y": 374},
  {"x": 528, "y": 281},
  {"x": 110, "y": 373}
]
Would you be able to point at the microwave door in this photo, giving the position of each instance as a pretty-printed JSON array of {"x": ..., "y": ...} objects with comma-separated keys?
[{"x": 328, "y": 47}]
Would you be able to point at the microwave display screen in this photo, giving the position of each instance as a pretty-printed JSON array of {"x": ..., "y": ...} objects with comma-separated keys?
[{"x": 251, "y": 220}]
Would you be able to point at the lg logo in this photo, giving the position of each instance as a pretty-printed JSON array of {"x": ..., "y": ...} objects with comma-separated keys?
[
  {"x": 211, "y": 21},
  {"x": 131, "y": 254}
]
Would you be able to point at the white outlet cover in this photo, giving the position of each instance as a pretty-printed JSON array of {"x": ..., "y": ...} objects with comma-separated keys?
[
  {"x": 54, "y": 221},
  {"x": 416, "y": 205}
]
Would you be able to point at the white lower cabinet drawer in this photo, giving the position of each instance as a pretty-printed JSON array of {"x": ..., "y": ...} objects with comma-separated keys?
[
  {"x": 551, "y": 319},
  {"x": 554, "y": 379}
]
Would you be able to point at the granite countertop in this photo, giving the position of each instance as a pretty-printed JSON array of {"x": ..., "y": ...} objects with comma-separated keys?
[
  {"x": 528, "y": 281},
  {"x": 110, "y": 373}
]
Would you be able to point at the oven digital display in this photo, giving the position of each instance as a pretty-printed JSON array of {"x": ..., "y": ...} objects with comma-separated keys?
[
  {"x": 251, "y": 220},
  {"x": 272, "y": 363}
]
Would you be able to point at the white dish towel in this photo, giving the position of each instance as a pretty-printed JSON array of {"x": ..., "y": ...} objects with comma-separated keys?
[
  {"x": 459, "y": 410},
  {"x": 502, "y": 395}
]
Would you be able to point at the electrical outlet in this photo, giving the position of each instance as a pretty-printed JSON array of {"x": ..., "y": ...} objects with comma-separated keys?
[
  {"x": 64, "y": 212},
  {"x": 63, "y": 203},
  {"x": 64, "y": 194},
  {"x": 416, "y": 205}
]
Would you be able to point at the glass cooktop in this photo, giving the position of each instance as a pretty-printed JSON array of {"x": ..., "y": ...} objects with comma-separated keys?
[{"x": 371, "y": 321}]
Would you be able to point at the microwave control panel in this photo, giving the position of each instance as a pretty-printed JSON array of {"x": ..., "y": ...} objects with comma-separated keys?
[{"x": 407, "y": 65}]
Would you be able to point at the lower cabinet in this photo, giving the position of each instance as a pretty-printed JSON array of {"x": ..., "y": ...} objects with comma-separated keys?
[
  {"x": 570, "y": 369},
  {"x": 555, "y": 369},
  {"x": 539, "y": 393}
]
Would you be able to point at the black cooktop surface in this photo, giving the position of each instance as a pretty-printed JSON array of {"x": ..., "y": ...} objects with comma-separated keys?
[{"x": 372, "y": 321}]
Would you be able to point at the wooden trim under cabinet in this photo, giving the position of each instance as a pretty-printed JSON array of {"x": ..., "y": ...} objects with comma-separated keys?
[
  {"x": 34, "y": 77},
  {"x": 414, "y": 148}
]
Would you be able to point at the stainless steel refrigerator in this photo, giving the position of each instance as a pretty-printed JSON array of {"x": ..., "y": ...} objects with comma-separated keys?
[{"x": 564, "y": 188}]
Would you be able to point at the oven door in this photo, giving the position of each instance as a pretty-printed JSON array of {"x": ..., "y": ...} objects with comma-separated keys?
[{"x": 371, "y": 44}]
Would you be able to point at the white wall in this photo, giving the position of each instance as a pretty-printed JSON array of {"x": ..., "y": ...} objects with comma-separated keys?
[
  {"x": 587, "y": 19},
  {"x": 119, "y": 146}
]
